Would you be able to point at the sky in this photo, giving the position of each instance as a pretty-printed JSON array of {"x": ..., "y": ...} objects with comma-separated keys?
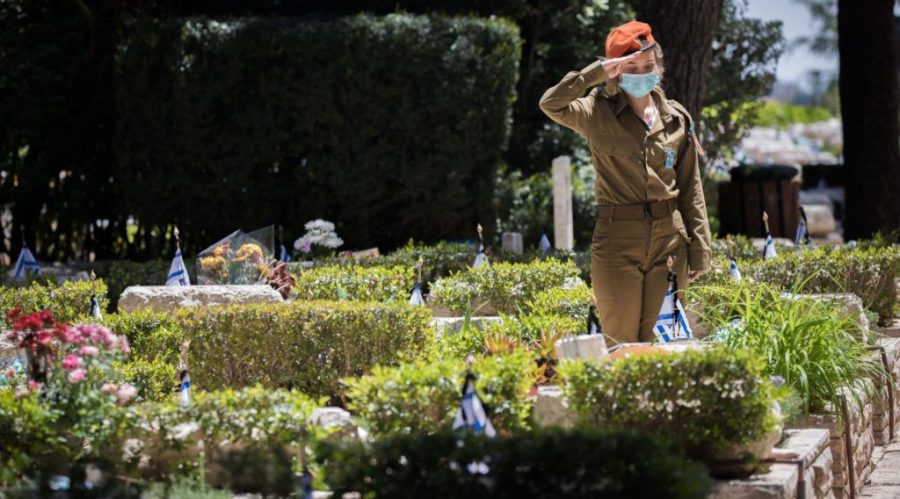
[{"x": 793, "y": 65}]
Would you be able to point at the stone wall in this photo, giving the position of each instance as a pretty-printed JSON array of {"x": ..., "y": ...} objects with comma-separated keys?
[{"x": 169, "y": 298}]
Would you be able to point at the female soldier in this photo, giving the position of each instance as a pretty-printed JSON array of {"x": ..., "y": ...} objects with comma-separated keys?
[{"x": 648, "y": 187}]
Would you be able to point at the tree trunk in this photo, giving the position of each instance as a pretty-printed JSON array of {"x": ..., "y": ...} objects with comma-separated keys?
[
  {"x": 869, "y": 110},
  {"x": 685, "y": 30}
]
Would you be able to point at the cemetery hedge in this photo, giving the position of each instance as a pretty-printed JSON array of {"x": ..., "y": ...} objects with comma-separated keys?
[
  {"x": 69, "y": 302},
  {"x": 544, "y": 463},
  {"x": 308, "y": 346},
  {"x": 423, "y": 396},
  {"x": 290, "y": 116},
  {"x": 676, "y": 394},
  {"x": 502, "y": 287},
  {"x": 356, "y": 283}
]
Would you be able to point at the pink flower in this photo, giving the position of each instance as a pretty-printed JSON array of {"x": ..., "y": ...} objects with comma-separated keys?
[
  {"x": 33, "y": 385},
  {"x": 10, "y": 372},
  {"x": 89, "y": 351},
  {"x": 71, "y": 335},
  {"x": 126, "y": 392},
  {"x": 22, "y": 393},
  {"x": 109, "y": 388},
  {"x": 123, "y": 345},
  {"x": 71, "y": 362},
  {"x": 76, "y": 376}
]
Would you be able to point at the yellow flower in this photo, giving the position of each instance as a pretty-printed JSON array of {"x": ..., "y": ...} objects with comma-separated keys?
[{"x": 249, "y": 251}]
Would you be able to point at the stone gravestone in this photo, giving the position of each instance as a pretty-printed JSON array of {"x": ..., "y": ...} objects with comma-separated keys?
[
  {"x": 169, "y": 298},
  {"x": 511, "y": 242},
  {"x": 563, "y": 224}
]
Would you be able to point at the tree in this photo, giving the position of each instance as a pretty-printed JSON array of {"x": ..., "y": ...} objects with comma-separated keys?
[
  {"x": 869, "y": 109},
  {"x": 686, "y": 30}
]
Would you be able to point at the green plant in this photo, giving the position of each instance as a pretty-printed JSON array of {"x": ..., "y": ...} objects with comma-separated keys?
[
  {"x": 156, "y": 339},
  {"x": 423, "y": 396},
  {"x": 69, "y": 302},
  {"x": 303, "y": 345},
  {"x": 501, "y": 286},
  {"x": 358, "y": 283},
  {"x": 529, "y": 331},
  {"x": 548, "y": 463},
  {"x": 570, "y": 302},
  {"x": 707, "y": 400},
  {"x": 809, "y": 343},
  {"x": 868, "y": 272},
  {"x": 246, "y": 439}
]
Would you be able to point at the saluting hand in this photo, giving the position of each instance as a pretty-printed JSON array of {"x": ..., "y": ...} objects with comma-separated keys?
[{"x": 613, "y": 67}]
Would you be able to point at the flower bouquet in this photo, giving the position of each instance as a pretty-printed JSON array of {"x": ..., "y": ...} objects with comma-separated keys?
[
  {"x": 320, "y": 239},
  {"x": 239, "y": 258}
]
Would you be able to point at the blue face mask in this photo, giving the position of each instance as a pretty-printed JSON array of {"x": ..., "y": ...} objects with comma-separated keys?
[{"x": 639, "y": 85}]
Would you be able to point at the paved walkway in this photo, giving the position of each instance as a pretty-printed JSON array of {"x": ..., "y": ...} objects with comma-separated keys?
[{"x": 884, "y": 483}]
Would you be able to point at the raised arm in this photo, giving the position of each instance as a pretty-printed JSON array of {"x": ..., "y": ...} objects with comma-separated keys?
[{"x": 565, "y": 102}]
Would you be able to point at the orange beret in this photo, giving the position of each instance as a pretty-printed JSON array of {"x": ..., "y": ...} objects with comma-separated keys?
[{"x": 630, "y": 37}]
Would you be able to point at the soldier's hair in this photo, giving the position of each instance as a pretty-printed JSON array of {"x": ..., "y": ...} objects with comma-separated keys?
[{"x": 611, "y": 87}]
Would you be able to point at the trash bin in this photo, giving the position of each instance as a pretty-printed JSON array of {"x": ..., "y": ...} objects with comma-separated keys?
[{"x": 753, "y": 189}]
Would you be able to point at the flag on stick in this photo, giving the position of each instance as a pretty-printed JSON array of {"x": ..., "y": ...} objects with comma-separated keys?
[{"x": 178, "y": 274}]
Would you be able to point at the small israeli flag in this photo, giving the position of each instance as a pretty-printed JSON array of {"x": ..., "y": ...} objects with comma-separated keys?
[
  {"x": 24, "y": 265},
  {"x": 735, "y": 272},
  {"x": 545, "y": 244},
  {"x": 178, "y": 275},
  {"x": 95, "y": 308},
  {"x": 671, "y": 323},
  {"x": 185, "y": 389},
  {"x": 481, "y": 258},
  {"x": 593, "y": 322},
  {"x": 471, "y": 415},
  {"x": 283, "y": 255},
  {"x": 417, "y": 298},
  {"x": 769, "y": 249}
]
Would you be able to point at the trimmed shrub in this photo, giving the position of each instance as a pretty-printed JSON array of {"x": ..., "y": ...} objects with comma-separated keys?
[
  {"x": 357, "y": 283},
  {"x": 707, "y": 400},
  {"x": 308, "y": 346},
  {"x": 501, "y": 287},
  {"x": 251, "y": 438},
  {"x": 570, "y": 302},
  {"x": 423, "y": 396},
  {"x": 809, "y": 343},
  {"x": 548, "y": 463},
  {"x": 300, "y": 145},
  {"x": 69, "y": 302},
  {"x": 866, "y": 272}
]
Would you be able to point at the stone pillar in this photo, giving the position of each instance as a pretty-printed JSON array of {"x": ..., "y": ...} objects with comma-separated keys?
[{"x": 563, "y": 225}]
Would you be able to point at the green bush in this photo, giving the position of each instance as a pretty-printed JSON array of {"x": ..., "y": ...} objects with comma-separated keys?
[
  {"x": 809, "y": 343},
  {"x": 568, "y": 301},
  {"x": 308, "y": 346},
  {"x": 301, "y": 144},
  {"x": 423, "y": 396},
  {"x": 549, "y": 463},
  {"x": 69, "y": 302},
  {"x": 27, "y": 434},
  {"x": 357, "y": 283},
  {"x": 501, "y": 287},
  {"x": 707, "y": 400},
  {"x": 867, "y": 272},
  {"x": 251, "y": 438}
]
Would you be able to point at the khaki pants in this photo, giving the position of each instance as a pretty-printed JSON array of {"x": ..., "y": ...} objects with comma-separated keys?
[{"x": 629, "y": 271}]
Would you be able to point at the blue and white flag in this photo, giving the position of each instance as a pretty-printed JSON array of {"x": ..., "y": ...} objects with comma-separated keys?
[
  {"x": 735, "y": 272},
  {"x": 671, "y": 323},
  {"x": 24, "y": 265},
  {"x": 185, "y": 389},
  {"x": 95, "y": 308},
  {"x": 417, "y": 298},
  {"x": 769, "y": 249},
  {"x": 471, "y": 415},
  {"x": 545, "y": 244},
  {"x": 283, "y": 255},
  {"x": 481, "y": 258},
  {"x": 178, "y": 275}
]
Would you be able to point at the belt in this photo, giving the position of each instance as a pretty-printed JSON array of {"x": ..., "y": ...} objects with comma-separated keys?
[{"x": 653, "y": 209}]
